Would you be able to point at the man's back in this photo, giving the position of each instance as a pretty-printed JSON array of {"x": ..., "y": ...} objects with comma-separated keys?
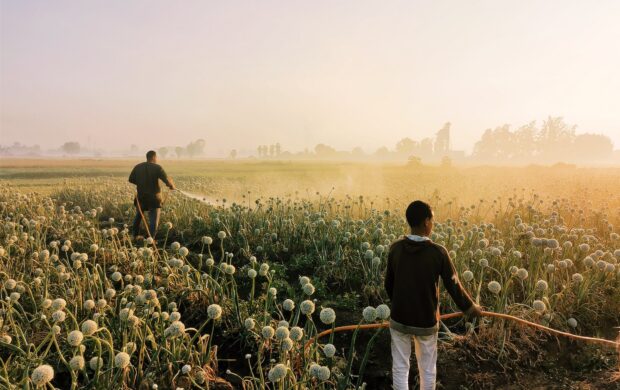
[
  {"x": 412, "y": 282},
  {"x": 146, "y": 176}
]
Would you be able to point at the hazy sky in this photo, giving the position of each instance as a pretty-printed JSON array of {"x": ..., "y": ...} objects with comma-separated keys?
[{"x": 347, "y": 73}]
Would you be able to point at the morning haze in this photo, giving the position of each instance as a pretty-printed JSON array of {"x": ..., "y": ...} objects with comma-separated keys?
[{"x": 242, "y": 75}]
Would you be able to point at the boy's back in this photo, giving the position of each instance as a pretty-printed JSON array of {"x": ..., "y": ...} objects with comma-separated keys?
[{"x": 412, "y": 283}]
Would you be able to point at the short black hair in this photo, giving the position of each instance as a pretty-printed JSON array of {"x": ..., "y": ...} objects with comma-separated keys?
[
  {"x": 417, "y": 212},
  {"x": 150, "y": 154}
]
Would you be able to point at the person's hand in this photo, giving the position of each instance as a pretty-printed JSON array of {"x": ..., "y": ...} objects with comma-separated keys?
[
  {"x": 474, "y": 312},
  {"x": 172, "y": 187}
]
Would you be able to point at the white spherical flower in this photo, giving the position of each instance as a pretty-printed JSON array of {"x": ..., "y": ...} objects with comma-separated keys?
[
  {"x": 383, "y": 312},
  {"x": 74, "y": 338},
  {"x": 59, "y": 316},
  {"x": 287, "y": 344},
  {"x": 10, "y": 284},
  {"x": 541, "y": 285},
  {"x": 252, "y": 273},
  {"x": 324, "y": 373},
  {"x": 522, "y": 273},
  {"x": 207, "y": 240},
  {"x": 307, "y": 307},
  {"x": 183, "y": 251},
  {"x": 221, "y": 235},
  {"x": 230, "y": 269},
  {"x": 77, "y": 363},
  {"x": 484, "y": 262},
  {"x": 327, "y": 315},
  {"x": 288, "y": 305},
  {"x": 277, "y": 373},
  {"x": 46, "y": 304},
  {"x": 513, "y": 270},
  {"x": 121, "y": 360},
  {"x": 267, "y": 332},
  {"x": 116, "y": 276},
  {"x": 94, "y": 248},
  {"x": 308, "y": 289},
  {"x": 572, "y": 322},
  {"x": 264, "y": 269},
  {"x": 95, "y": 363},
  {"x": 175, "y": 246},
  {"x": 59, "y": 304},
  {"x": 303, "y": 280},
  {"x": 89, "y": 327},
  {"x": 539, "y": 306},
  {"x": 186, "y": 369},
  {"x": 282, "y": 333},
  {"x": 214, "y": 311},
  {"x": 296, "y": 333},
  {"x": 369, "y": 313},
  {"x": 175, "y": 315},
  {"x": 210, "y": 262},
  {"x": 14, "y": 297},
  {"x": 176, "y": 329},
  {"x": 577, "y": 278},
  {"x": 494, "y": 287},
  {"x": 42, "y": 375},
  {"x": 314, "y": 370},
  {"x": 329, "y": 350},
  {"x": 249, "y": 323},
  {"x": 468, "y": 276},
  {"x": 89, "y": 304}
]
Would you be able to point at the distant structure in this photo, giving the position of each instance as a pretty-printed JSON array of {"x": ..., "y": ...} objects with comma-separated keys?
[
  {"x": 442, "y": 149},
  {"x": 442, "y": 141}
]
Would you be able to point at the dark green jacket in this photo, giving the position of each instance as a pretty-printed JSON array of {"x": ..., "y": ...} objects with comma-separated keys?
[{"x": 146, "y": 177}]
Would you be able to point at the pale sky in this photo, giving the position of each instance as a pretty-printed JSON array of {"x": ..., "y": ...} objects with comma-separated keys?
[{"x": 345, "y": 73}]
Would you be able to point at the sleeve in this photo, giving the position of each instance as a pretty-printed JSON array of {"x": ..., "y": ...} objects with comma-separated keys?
[
  {"x": 389, "y": 275},
  {"x": 452, "y": 284},
  {"x": 163, "y": 176},
  {"x": 132, "y": 176}
]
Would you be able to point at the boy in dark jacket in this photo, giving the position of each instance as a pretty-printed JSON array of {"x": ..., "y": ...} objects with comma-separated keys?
[{"x": 415, "y": 264}]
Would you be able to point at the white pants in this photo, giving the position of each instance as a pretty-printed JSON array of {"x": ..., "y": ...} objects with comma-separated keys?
[{"x": 425, "y": 353}]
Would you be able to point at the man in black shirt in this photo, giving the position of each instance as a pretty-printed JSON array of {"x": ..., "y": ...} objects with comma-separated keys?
[
  {"x": 146, "y": 177},
  {"x": 415, "y": 265}
]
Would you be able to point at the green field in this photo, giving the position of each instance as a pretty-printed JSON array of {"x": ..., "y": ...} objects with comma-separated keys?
[{"x": 224, "y": 274}]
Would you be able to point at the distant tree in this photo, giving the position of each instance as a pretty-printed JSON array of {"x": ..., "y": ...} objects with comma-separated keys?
[
  {"x": 259, "y": 150},
  {"x": 382, "y": 152},
  {"x": 71, "y": 147},
  {"x": 425, "y": 149},
  {"x": 323, "y": 150},
  {"x": 278, "y": 149},
  {"x": 179, "y": 151},
  {"x": 358, "y": 152},
  {"x": 163, "y": 152},
  {"x": 414, "y": 161},
  {"x": 406, "y": 146},
  {"x": 272, "y": 150},
  {"x": 233, "y": 154},
  {"x": 592, "y": 147},
  {"x": 196, "y": 148}
]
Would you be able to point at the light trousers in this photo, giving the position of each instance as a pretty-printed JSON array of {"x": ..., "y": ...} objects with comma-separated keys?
[{"x": 425, "y": 353}]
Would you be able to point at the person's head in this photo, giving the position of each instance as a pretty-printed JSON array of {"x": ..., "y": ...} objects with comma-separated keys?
[
  {"x": 151, "y": 156},
  {"x": 420, "y": 218}
]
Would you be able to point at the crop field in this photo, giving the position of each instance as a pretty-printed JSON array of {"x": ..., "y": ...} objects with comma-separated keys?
[{"x": 253, "y": 259}]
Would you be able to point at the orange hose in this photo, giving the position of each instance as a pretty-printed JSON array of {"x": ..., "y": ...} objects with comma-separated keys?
[{"x": 485, "y": 314}]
